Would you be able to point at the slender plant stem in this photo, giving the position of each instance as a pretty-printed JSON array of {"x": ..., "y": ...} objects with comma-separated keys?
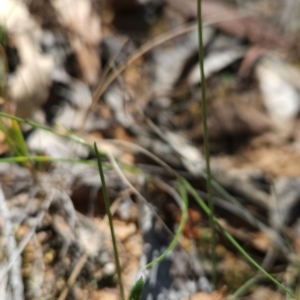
[
  {"x": 6, "y": 70},
  {"x": 66, "y": 134},
  {"x": 183, "y": 219},
  {"x": 111, "y": 225},
  {"x": 206, "y": 142},
  {"x": 188, "y": 187},
  {"x": 245, "y": 287},
  {"x": 232, "y": 240},
  {"x": 45, "y": 159}
]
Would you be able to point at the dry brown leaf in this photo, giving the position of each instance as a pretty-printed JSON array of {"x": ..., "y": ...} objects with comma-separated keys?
[
  {"x": 266, "y": 294},
  {"x": 263, "y": 158},
  {"x": 261, "y": 241},
  {"x": 84, "y": 29},
  {"x": 134, "y": 246},
  {"x": 106, "y": 294},
  {"x": 28, "y": 86},
  {"x": 121, "y": 134},
  {"x": 124, "y": 230},
  {"x": 250, "y": 58},
  {"x": 3, "y": 146},
  {"x": 235, "y": 119},
  {"x": 297, "y": 244}
]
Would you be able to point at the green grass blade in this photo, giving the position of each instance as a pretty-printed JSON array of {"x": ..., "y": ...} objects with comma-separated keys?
[
  {"x": 68, "y": 135},
  {"x": 233, "y": 241},
  {"x": 44, "y": 159},
  {"x": 15, "y": 140},
  {"x": 184, "y": 187},
  {"x": 136, "y": 291},
  {"x": 112, "y": 230},
  {"x": 2, "y": 36},
  {"x": 206, "y": 141},
  {"x": 245, "y": 287},
  {"x": 18, "y": 142},
  {"x": 183, "y": 219}
]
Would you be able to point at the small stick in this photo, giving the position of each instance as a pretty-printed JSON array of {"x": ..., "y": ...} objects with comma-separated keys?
[{"x": 76, "y": 271}]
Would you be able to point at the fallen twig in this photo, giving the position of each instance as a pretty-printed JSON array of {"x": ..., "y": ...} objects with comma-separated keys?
[{"x": 15, "y": 276}]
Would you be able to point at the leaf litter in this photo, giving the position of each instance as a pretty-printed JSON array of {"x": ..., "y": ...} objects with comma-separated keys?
[{"x": 69, "y": 69}]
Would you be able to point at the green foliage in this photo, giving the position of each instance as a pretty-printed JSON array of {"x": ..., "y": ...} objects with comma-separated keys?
[
  {"x": 2, "y": 36},
  {"x": 14, "y": 138},
  {"x": 136, "y": 291},
  {"x": 3, "y": 63},
  {"x": 184, "y": 187},
  {"x": 183, "y": 219},
  {"x": 233, "y": 241}
]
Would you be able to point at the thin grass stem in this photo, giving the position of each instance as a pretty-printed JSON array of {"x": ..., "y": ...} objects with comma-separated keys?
[
  {"x": 110, "y": 219},
  {"x": 183, "y": 219},
  {"x": 206, "y": 142},
  {"x": 233, "y": 241},
  {"x": 245, "y": 287},
  {"x": 44, "y": 159}
]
